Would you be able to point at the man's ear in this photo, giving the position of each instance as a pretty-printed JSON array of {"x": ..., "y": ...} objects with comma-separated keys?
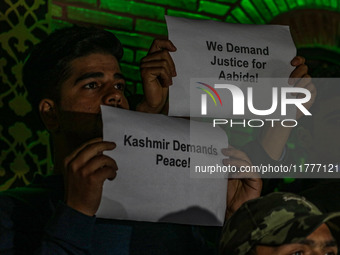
[
  {"x": 305, "y": 138},
  {"x": 48, "y": 113}
]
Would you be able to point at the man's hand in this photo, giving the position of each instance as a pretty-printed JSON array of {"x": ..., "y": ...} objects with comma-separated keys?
[
  {"x": 301, "y": 79},
  {"x": 274, "y": 139},
  {"x": 86, "y": 169},
  {"x": 241, "y": 187},
  {"x": 157, "y": 70}
]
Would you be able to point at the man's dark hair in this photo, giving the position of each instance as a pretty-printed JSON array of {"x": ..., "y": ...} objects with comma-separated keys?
[{"x": 48, "y": 65}]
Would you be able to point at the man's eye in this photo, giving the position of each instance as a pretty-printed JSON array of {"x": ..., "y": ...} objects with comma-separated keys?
[
  {"x": 297, "y": 253},
  {"x": 120, "y": 86},
  {"x": 330, "y": 253},
  {"x": 91, "y": 85}
]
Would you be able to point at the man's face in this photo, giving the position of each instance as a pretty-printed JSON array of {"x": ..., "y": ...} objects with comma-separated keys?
[
  {"x": 94, "y": 80},
  {"x": 320, "y": 242}
]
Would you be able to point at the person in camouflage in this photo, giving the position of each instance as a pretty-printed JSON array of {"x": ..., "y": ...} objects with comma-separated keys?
[{"x": 280, "y": 223}]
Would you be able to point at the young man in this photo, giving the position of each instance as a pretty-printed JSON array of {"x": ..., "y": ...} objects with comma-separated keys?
[
  {"x": 281, "y": 224},
  {"x": 68, "y": 76}
]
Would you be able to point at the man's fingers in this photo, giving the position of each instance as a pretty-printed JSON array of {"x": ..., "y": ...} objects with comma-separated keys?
[
  {"x": 159, "y": 72},
  {"x": 311, "y": 87},
  {"x": 252, "y": 177},
  {"x": 235, "y": 154},
  {"x": 306, "y": 83},
  {"x": 90, "y": 150},
  {"x": 297, "y": 60},
  {"x": 105, "y": 173},
  {"x": 160, "y": 44},
  {"x": 158, "y": 63},
  {"x": 238, "y": 159},
  {"x": 153, "y": 62},
  {"x": 75, "y": 152},
  {"x": 300, "y": 71},
  {"x": 161, "y": 55},
  {"x": 302, "y": 82},
  {"x": 297, "y": 74},
  {"x": 236, "y": 162},
  {"x": 96, "y": 163}
]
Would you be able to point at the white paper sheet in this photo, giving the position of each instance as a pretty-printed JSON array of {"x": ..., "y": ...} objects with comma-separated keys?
[
  {"x": 256, "y": 51},
  {"x": 149, "y": 190}
]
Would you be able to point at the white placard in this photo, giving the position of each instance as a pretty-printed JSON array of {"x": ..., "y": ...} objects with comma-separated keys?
[
  {"x": 236, "y": 54},
  {"x": 155, "y": 155}
]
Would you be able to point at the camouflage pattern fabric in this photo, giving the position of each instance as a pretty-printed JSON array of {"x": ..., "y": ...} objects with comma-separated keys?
[{"x": 276, "y": 219}]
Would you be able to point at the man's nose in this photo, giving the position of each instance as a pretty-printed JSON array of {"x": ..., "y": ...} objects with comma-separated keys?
[{"x": 113, "y": 98}]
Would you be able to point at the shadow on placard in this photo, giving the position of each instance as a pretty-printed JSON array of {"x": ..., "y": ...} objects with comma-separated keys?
[
  {"x": 193, "y": 216},
  {"x": 113, "y": 209}
]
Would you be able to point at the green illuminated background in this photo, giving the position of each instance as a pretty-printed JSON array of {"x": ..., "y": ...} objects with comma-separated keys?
[{"x": 315, "y": 26}]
